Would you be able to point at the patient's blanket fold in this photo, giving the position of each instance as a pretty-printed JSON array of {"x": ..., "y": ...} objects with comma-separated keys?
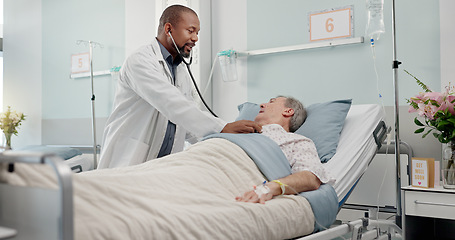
[
  {"x": 272, "y": 162},
  {"x": 265, "y": 153}
]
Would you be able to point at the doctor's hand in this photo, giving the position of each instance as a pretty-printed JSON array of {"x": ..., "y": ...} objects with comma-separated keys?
[{"x": 242, "y": 126}]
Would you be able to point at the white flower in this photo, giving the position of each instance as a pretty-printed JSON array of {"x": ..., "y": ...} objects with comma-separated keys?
[{"x": 10, "y": 120}]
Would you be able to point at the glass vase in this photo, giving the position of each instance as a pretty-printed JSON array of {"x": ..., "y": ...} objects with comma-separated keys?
[
  {"x": 447, "y": 166},
  {"x": 7, "y": 141}
]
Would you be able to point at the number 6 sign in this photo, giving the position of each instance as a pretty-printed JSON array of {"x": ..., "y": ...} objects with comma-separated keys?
[{"x": 331, "y": 24}]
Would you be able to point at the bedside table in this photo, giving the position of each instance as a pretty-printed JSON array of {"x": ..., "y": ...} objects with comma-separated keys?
[{"x": 428, "y": 213}]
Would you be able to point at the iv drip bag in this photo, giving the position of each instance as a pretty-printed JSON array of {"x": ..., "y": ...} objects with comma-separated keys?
[
  {"x": 375, "y": 24},
  {"x": 228, "y": 65}
]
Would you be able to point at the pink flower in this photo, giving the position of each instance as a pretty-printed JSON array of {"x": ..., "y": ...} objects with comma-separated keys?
[
  {"x": 438, "y": 109},
  {"x": 448, "y": 104},
  {"x": 429, "y": 103}
]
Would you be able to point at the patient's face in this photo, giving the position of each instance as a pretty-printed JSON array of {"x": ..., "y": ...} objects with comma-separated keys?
[{"x": 271, "y": 112}]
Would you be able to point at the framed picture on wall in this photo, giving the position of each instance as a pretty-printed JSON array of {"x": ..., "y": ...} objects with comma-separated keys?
[
  {"x": 331, "y": 24},
  {"x": 80, "y": 63}
]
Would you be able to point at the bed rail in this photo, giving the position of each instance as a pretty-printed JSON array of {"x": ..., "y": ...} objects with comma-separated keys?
[
  {"x": 364, "y": 228},
  {"x": 380, "y": 133},
  {"x": 64, "y": 176}
]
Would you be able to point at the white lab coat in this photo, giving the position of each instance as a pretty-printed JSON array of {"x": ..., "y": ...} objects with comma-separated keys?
[{"x": 145, "y": 100}]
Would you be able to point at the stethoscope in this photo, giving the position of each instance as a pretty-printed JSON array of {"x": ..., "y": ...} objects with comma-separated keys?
[{"x": 191, "y": 74}]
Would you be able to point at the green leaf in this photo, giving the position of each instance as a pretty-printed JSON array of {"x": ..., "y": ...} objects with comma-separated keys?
[
  {"x": 414, "y": 105},
  {"x": 417, "y": 122},
  {"x": 442, "y": 124},
  {"x": 420, "y": 130},
  {"x": 421, "y": 84},
  {"x": 424, "y": 135},
  {"x": 441, "y": 138}
]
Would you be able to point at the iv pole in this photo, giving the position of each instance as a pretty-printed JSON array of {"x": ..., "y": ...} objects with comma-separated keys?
[
  {"x": 397, "y": 132},
  {"x": 91, "y": 45}
]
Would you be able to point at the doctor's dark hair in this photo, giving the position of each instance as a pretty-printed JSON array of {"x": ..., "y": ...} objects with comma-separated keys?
[
  {"x": 300, "y": 113},
  {"x": 172, "y": 15}
]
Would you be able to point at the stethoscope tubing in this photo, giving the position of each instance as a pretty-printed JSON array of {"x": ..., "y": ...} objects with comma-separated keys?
[{"x": 191, "y": 74}]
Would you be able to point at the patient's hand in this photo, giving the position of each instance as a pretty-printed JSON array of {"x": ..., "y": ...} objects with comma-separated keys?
[
  {"x": 242, "y": 126},
  {"x": 252, "y": 197}
]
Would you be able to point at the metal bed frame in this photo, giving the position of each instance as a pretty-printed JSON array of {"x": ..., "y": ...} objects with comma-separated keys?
[
  {"x": 367, "y": 227},
  {"x": 64, "y": 176}
]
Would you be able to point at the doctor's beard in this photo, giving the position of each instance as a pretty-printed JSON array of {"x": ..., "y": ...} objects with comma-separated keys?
[{"x": 183, "y": 52}]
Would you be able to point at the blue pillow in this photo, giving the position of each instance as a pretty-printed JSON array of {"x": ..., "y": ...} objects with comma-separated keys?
[
  {"x": 248, "y": 111},
  {"x": 323, "y": 124}
]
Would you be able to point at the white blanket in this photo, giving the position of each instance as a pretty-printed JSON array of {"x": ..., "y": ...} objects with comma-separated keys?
[{"x": 188, "y": 195}]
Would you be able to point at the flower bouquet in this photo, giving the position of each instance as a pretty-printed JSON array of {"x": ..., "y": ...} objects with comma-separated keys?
[
  {"x": 9, "y": 121},
  {"x": 438, "y": 110}
]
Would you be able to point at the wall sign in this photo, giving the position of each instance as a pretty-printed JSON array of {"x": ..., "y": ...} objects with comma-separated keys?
[
  {"x": 330, "y": 24},
  {"x": 80, "y": 63}
]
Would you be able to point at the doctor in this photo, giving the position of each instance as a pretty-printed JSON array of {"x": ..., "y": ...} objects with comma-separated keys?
[{"x": 153, "y": 107}]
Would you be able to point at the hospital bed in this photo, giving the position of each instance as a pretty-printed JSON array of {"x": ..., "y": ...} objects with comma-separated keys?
[
  {"x": 78, "y": 157},
  {"x": 184, "y": 195}
]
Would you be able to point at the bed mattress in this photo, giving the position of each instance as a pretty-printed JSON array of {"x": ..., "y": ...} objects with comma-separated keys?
[{"x": 356, "y": 147}]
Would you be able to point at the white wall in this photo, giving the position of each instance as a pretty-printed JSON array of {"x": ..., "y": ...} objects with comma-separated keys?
[
  {"x": 22, "y": 67},
  {"x": 22, "y": 50},
  {"x": 229, "y": 31},
  {"x": 139, "y": 24},
  {"x": 447, "y": 20}
]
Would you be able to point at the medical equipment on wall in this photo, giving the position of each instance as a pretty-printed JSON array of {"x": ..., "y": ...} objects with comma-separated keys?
[
  {"x": 91, "y": 45},
  {"x": 191, "y": 74},
  {"x": 375, "y": 22},
  {"x": 227, "y": 59},
  {"x": 115, "y": 72},
  {"x": 228, "y": 66}
]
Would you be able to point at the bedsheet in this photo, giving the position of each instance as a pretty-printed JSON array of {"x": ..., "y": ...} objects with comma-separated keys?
[
  {"x": 356, "y": 147},
  {"x": 188, "y": 195},
  {"x": 272, "y": 162}
]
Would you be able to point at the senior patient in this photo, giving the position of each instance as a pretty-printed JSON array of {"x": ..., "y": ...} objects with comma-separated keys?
[{"x": 280, "y": 117}]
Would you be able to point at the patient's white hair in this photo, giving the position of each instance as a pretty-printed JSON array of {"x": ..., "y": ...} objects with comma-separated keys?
[{"x": 300, "y": 113}]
